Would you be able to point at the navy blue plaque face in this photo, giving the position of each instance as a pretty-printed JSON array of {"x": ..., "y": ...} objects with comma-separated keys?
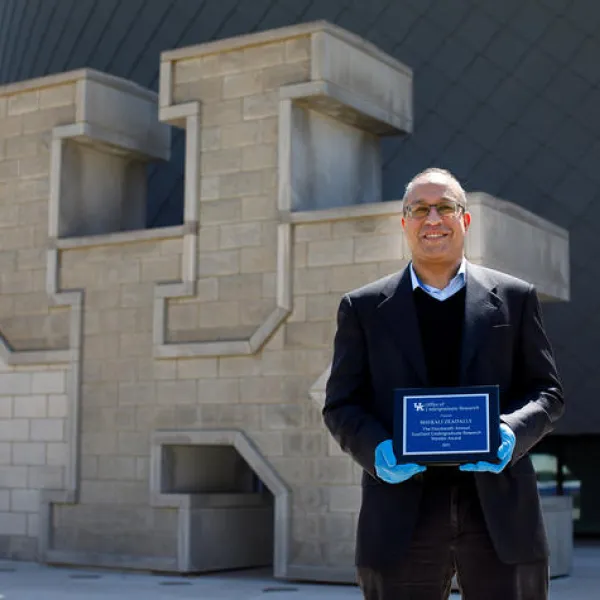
[{"x": 451, "y": 425}]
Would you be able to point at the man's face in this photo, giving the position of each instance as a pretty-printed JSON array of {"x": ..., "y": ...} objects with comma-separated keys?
[{"x": 435, "y": 238}]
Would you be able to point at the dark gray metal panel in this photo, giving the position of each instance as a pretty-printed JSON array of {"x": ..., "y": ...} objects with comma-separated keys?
[{"x": 506, "y": 95}]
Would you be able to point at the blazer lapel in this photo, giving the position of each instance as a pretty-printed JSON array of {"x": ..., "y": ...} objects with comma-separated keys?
[
  {"x": 481, "y": 306},
  {"x": 398, "y": 310}
]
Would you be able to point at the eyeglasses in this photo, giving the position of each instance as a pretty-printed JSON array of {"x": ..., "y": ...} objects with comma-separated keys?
[{"x": 445, "y": 208}]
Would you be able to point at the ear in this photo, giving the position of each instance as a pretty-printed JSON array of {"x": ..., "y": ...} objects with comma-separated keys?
[
  {"x": 403, "y": 223},
  {"x": 467, "y": 220}
]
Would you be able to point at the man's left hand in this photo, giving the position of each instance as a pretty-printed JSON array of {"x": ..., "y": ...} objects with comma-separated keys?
[{"x": 505, "y": 452}]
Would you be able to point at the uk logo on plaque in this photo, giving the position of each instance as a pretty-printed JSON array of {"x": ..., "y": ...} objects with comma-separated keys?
[{"x": 450, "y": 426}]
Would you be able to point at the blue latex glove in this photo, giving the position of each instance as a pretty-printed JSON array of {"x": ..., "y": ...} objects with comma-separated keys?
[
  {"x": 387, "y": 468},
  {"x": 505, "y": 452}
]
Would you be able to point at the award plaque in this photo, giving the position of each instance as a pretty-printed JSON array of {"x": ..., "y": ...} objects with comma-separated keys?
[{"x": 447, "y": 426}]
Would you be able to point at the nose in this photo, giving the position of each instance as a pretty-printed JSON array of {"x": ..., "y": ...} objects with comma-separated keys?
[{"x": 433, "y": 216}]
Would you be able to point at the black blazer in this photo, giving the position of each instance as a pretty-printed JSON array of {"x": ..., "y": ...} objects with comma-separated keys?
[{"x": 378, "y": 348}]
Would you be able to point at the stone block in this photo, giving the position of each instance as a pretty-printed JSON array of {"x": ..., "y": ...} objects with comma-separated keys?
[
  {"x": 58, "y": 406},
  {"x": 236, "y": 287},
  {"x": 45, "y": 477},
  {"x": 6, "y": 407},
  {"x": 13, "y": 477},
  {"x": 256, "y": 389},
  {"x": 116, "y": 467},
  {"x": 258, "y": 260},
  {"x": 263, "y": 55},
  {"x": 239, "y": 366},
  {"x": 242, "y": 84},
  {"x": 344, "y": 498},
  {"x": 57, "y": 454},
  {"x": 236, "y": 185},
  {"x": 298, "y": 49},
  {"x": 132, "y": 443},
  {"x": 221, "y": 162},
  {"x": 312, "y": 281},
  {"x": 310, "y": 335},
  {"x": 260, "y": 156},
  {"x": 259, "y": 208},
  {"x": 5, "y": 453},
  {"x": 197, "y": 368},
  {"x": 209, "y": 188},
  {"x": 247, "y": 133},
  {"x": 33, "y": 530},
  {"x": 4, "y": 500},
  {"x": 210, "y": 138},
  {"x": 178, "y": 392},
  {"x": 63, "y": 95},
  {"x": 240, "y": 235},
  {"x": 282, "y": 417},
  {"x": 13, "y": 524},
  {"x": 52, "y": 382},
  {"x": 219, "y": 314},
  {"x": 15, "y": 384},
  {"x": 25, "y": 146},
  {"x": 327, "y": 253},
  {"x": 28, "y": 453},
  {"x": 212, "y": 391},
  {"x": 215, "y": 213},
  {"x": 270, "y": 443},
  {"x": 99, "y": 443},
  {"x": 304, "y": 443},
  {"x": 322, "y": 307},
  {"x": 222, "y": 113},
  {"x": 47, "y": 430},
  {"x": 206, "y": 90},
  {"x": 23, "y": 103},
  {"x": 378, "y": 248},
  {"x": 346, "y": 278},
  {"x": 260, "y": 106},
  {"x": 312, "y": 232},
  {"x": 335, "y": 470},
  {"x": 165, "y": 268},
  {"x": 24, "y": 501},
  {"x": 135, "y": 344},
  {"x": 136, "y": 393},
  {"x": 14, "y": 430},
  {"x": 285, "y": 74}
]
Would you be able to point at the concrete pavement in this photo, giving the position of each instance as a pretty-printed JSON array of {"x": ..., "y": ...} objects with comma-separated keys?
[{"x": 27, "y": 581}]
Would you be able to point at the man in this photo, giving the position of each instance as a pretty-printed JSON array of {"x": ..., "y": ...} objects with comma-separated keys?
[{"x": 444, "y": 322}]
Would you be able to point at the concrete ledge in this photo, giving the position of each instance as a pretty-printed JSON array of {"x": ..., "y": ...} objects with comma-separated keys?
[
  {"x": 111, "y": 561},
  {"x": 511, "y": 239},
  {"x": 558, "y": 517},
  {"x": 334, "y": 101},
  {"x": 119, "y": 237},
  {"x": 128, "y": 120},
  {"x": 186, "y": 502},
  {"x": 104, "y": 79},
  {"x": 282, "y": 34}
]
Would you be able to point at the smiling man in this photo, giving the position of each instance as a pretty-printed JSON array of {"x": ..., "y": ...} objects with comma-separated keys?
[{"x": 443, "y": 322}]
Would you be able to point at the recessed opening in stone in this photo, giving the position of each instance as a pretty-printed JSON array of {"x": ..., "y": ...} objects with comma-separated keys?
[
  {"x": 102, "y": 190},
  {"x": 231, "y": 524},
  {"x": 165, "y": 184},
  {"x": 333, "y": 164}
]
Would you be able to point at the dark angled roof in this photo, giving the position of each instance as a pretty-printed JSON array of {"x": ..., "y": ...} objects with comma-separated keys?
[{"x": 507, "y": 95}]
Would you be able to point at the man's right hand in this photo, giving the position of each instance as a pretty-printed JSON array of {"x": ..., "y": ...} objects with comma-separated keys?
[{"x": 387, "y": 468}]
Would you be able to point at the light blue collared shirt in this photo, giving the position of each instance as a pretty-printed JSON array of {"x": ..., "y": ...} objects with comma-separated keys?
[{"x": 456, "y": 284}]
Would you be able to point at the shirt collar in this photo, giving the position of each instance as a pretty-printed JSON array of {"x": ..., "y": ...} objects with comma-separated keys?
[{"x": 416, "y": 282}]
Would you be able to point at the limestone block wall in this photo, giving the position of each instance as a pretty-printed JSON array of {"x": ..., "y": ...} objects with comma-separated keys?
[
  {"x": 215, "y": 333},
  {"x": 28, "y": 114},
  {"x": 34, "y": 453}
]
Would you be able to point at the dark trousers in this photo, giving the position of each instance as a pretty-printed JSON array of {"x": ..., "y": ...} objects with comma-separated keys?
[{"x": 451, "y": 539}]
